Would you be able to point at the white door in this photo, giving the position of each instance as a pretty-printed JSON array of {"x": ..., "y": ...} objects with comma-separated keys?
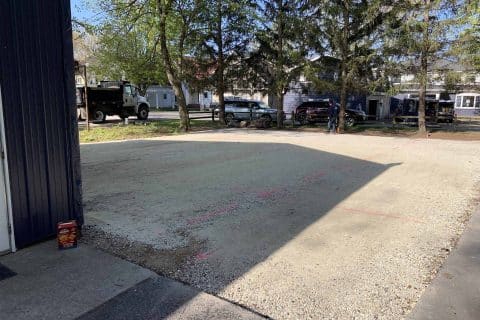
[
  {"x": 4, "y": 234},
  {"x": 128, "y": 100}
]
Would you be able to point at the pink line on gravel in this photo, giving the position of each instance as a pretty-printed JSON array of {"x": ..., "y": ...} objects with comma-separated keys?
[
  {"x": 212, "y": 214},
  {"x": 269, "y": 193},
  {"x": 204, "y": 255}
]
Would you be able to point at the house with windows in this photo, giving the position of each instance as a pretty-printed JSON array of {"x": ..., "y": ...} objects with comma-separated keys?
[
  {"x": 300, "y": 89},
  {"x": 467, "y": 104},
  {"x": 445, "y": 77},
  {"x": 446, "y": 80}
]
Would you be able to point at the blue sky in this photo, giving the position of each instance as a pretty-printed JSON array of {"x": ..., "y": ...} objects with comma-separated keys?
[{"x": 82, "y": 10}]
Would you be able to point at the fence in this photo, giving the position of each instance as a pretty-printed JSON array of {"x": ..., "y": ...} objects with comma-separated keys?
[
  {"x": 412, "y": 119},
  {"x": 206, "y": 115},
  {"x": 211, "y": 115}
]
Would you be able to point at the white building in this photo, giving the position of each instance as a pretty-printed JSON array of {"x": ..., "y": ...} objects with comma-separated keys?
[{"x": 161, "y": 97}]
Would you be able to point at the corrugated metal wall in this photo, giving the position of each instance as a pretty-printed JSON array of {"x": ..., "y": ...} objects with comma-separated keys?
[{"x": 36, "y": 76}]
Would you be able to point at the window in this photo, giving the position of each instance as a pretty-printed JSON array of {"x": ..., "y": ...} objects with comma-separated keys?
[
  {"x": 263, "y": 105},
  {"x": 308, "y": 105},
  {"x": 477, "y": 102},
  {"x": 205, "y": 95},
  {"x": 412, "y": 106},
  {"x": 236, "y": 104},
  {"x": 164, "y": 96},
  {"x": 127, "y": 90},
  {"x": 468, "y": 102},
  {"x": 458, "y": 102}
]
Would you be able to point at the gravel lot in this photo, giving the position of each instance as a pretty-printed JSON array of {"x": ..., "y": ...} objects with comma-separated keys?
[{"x": 292, "y": 225}]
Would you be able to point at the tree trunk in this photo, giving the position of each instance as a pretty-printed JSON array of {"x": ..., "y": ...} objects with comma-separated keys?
[
  {"x": 280, "y": 110},
  {"x": 169, "y": 68},
  {"x": 280, "y": 73},
  {"x": 343, "y": 69},
  {"x": 221, "y": 65},
  {"x": 221, "y": 105},
  {"x": 182, "y": 103},
  {"x": 421, "y": 97},
  {"x": 423, "y": 77},
  {"x": 343, "y": 99}
]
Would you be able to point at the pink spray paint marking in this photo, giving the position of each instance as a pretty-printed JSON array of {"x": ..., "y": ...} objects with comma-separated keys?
[
  {"x": 212, "y": 214},
  {"x": 269, "y": 193},
  {"x": 204, "y": 255},
  {"x": 382, "y": 214}
]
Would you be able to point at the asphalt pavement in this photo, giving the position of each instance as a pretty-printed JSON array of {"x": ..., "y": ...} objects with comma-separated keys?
[
  {"x": 85, "y": 283},
  {"x": 455, "y": 292}
]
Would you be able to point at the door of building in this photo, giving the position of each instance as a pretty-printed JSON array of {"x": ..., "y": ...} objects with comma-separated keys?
[
  {"x": 372, "y": 109},
  {"x": 4, "y": 230}
]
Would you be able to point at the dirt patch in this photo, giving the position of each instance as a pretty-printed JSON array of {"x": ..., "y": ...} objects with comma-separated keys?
[
  {"x": 408, "y": 133},
  {"x": 465, "y": 136},
  {"x": 388, "y": 133},
  {"x": 462, "y": 130},
  {"x": 162, "y": 261}
]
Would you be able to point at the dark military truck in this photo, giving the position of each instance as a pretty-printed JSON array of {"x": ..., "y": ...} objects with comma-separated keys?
[
  {"x": 112, "y": 98},
  {"x": 435, "y": 111}
]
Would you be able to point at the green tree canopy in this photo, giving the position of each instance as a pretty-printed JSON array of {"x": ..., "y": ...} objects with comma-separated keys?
[
  {"x": 467, "y": 47},
  {"x": 279, "y": 49},
  {"x": 425, "y": 34},
  {"x": 351, "y": 32},
  {"x": 224, "y": 39},
  {"x": 127, "y": 45}
]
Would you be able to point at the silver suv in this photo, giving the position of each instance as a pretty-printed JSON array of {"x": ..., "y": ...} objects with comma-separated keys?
[{"x": 237, "y": 110}]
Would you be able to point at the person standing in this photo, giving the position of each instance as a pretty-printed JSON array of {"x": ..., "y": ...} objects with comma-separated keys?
[{"x": 332, "y": 116}]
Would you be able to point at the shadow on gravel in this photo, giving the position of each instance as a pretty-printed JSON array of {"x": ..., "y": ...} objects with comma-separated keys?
[{"x": 242, "y": 201}]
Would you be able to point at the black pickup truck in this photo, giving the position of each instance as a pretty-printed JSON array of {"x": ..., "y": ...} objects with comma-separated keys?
[{"x": 310, "y": 112}]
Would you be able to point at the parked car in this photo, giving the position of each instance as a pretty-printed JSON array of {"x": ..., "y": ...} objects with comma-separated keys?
[
  {"x": 317, "y": 111},
  {"x": 238, "y": 110}
]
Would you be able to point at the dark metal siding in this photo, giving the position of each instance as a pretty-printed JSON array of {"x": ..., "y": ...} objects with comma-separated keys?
[{"x": 37, "y": 81}]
